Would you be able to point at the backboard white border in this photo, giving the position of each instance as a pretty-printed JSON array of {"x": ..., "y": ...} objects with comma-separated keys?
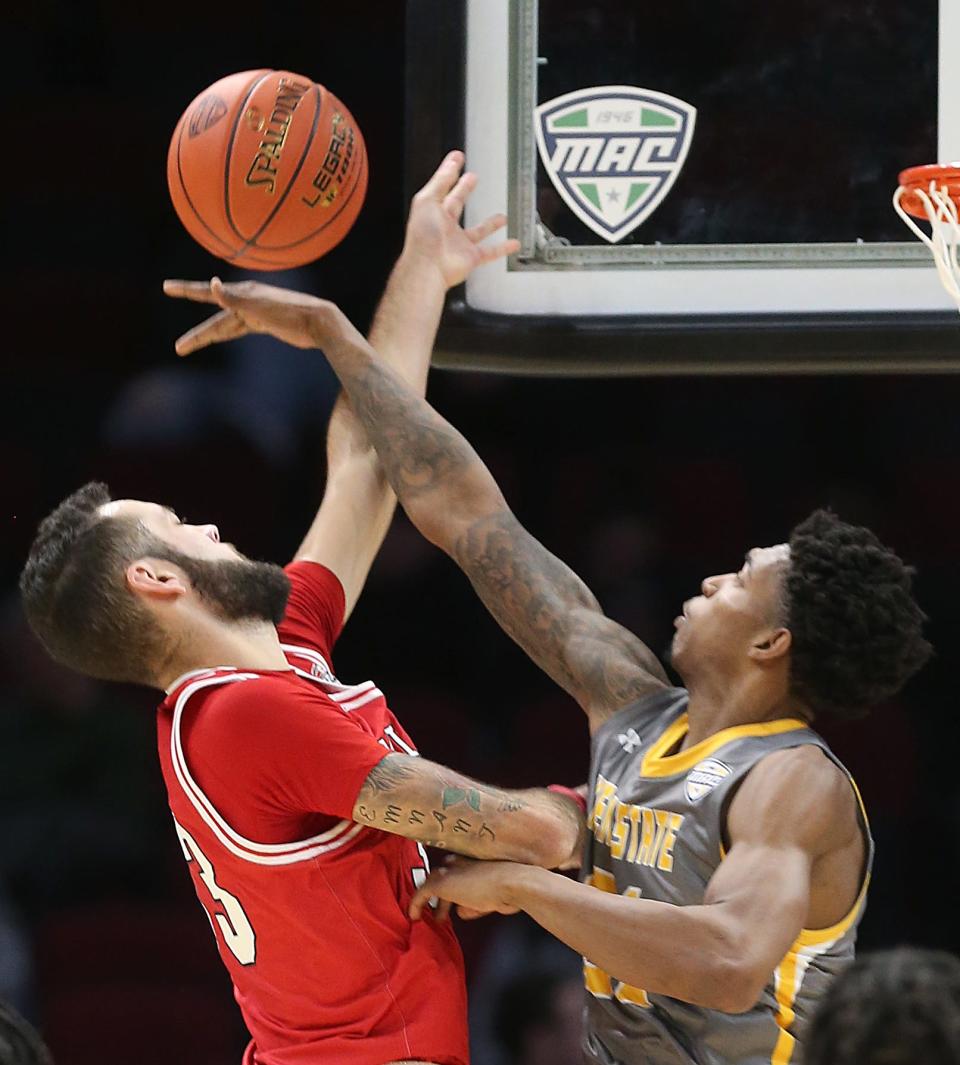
[{"x": 678, "y": 290}]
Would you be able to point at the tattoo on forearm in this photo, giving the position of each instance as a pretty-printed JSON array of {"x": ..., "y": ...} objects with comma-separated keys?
[
  {"x": 417, "y": 447},
  {"x": 548, "y": 610},
  {"x": 536, "y": 599},
  {"x": 388, "y": 775},
  {"x": 453, "y": 796},
  {"x": 407, "y": 795}
]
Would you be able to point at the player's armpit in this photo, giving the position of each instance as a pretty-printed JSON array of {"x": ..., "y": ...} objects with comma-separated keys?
[{"x": 421, "y": 800}]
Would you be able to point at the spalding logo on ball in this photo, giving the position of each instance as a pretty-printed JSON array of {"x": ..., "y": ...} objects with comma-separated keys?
[{"x": 267, "y": 169}]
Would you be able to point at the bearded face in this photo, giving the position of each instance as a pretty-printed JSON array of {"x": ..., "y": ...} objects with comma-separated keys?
[{"x": 238, "y": 589}]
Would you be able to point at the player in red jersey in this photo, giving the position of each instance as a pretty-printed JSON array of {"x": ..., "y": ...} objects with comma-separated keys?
[{"x": 276, "y": 771}]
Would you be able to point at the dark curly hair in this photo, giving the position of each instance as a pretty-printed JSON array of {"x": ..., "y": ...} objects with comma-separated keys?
[
  {"x": 856, "y": 627},
  {"x": 893, "y": 1007},
  {"x": 74, "y": 594}
]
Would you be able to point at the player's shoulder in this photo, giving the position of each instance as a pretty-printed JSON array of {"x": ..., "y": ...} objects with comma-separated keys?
[
  {"x": 313, "y": 577},
  {"x": 316, "y": 607},
  {"x": 797, "y": 790},
  {"x": 265, "y": 699},
  {"x": 806, "y": 766}
]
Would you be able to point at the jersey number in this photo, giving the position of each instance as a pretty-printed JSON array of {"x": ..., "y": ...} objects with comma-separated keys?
[
  {"x": 599, "y": 983},
  {"x": 233, "y": 923}
]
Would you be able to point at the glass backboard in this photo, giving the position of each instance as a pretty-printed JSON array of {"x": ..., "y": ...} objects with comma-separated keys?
[{"x": 685, "y": 169}]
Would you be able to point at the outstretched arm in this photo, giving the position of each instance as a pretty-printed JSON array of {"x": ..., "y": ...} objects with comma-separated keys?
[
  {"x": 454, "y": 501},
  {"x": 358, "y": 502},
  {"x": 412, "y": 797},
  {"x": 719, "y": 954},
  {"x": 452, "y": 498}
]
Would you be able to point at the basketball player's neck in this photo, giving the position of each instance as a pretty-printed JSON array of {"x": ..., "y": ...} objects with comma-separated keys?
[
  {"x": 252, "y": 645},
  {"x": 720, "y": 703}
]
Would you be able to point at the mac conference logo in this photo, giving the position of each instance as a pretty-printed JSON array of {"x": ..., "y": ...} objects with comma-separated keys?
[
  {"x": 613, "y": 152},
  {"x": 704, "y": 777}
]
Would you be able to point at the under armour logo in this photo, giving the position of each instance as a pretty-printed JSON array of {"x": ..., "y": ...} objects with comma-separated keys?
[{"x": 629, "y": 740}]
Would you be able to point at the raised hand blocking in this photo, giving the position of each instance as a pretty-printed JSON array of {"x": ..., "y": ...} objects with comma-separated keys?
[{"x": 435, "y": 240}]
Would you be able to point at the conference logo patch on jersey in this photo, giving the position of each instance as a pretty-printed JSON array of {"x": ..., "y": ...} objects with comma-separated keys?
[
  {"x": 704, "y": 777},
  {"x": 613, "y": 152}
]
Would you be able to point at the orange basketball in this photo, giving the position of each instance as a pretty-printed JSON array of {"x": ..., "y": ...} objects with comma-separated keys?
[{"x": 267, "y": 169}]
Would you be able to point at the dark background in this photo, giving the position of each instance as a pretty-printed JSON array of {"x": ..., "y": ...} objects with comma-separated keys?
[{"x": 644, "y": 486}]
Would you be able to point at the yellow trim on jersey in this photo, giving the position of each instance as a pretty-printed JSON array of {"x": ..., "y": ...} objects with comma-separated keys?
[
  {"x": 596, "y": 981},
  {"x": 657, "y": 763},
  {"x": 815, "y": 937},
  {"x": 787, "y": 988},
  {"x": 599, "y": 983},
  {"x": 808, "y": 944}
]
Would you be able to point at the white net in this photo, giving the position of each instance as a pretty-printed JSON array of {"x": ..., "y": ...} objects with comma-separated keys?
[{"x": 944, "y": 236}]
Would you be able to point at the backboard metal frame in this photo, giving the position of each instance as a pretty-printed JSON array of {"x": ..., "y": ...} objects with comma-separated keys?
[
  {"x": 597, "y": 341},
  {"x": 539, "y": 249}
]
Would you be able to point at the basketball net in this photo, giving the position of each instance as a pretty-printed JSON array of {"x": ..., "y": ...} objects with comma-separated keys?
[{"x": 944, "y": 236}]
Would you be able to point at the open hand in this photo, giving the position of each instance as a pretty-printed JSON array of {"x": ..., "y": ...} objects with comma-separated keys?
[
  {"x": 434, "y": 233},
  {"x": 251, "y": 307}
]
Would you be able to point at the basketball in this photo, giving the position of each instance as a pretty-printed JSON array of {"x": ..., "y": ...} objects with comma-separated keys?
[{"x": 267, "y": 169}]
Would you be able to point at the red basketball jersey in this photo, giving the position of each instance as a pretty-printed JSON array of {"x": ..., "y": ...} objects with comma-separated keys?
[{"x": 308, "y": 908}]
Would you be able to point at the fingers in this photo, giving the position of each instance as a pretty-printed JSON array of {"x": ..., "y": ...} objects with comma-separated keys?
[
  {"x": 442, "y": 912},
  {"x": 424, "y": 893},
  {"x": 466, "y": 914},
  {"x": 224, "y": 325},
  {"x": 455, "y": 200},
  {"x": 220, "y": 293},
  {"x": 444, "y": 178},
  {"x": 485, "y": 228},
  {"x": 491, "y": 252},
  {"x": 197, "y": 291}
]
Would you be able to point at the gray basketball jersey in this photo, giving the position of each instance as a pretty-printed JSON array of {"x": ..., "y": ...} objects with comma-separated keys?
[{"x": 656, "y": 822}]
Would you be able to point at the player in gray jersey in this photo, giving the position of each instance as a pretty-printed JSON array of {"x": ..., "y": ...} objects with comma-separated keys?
[{"x": 729, "y": 855}]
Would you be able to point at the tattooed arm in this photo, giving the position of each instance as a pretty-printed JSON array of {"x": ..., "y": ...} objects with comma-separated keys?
[
  {"x": 427, "y": 802},
  {"x": 454, "y": 501}
]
